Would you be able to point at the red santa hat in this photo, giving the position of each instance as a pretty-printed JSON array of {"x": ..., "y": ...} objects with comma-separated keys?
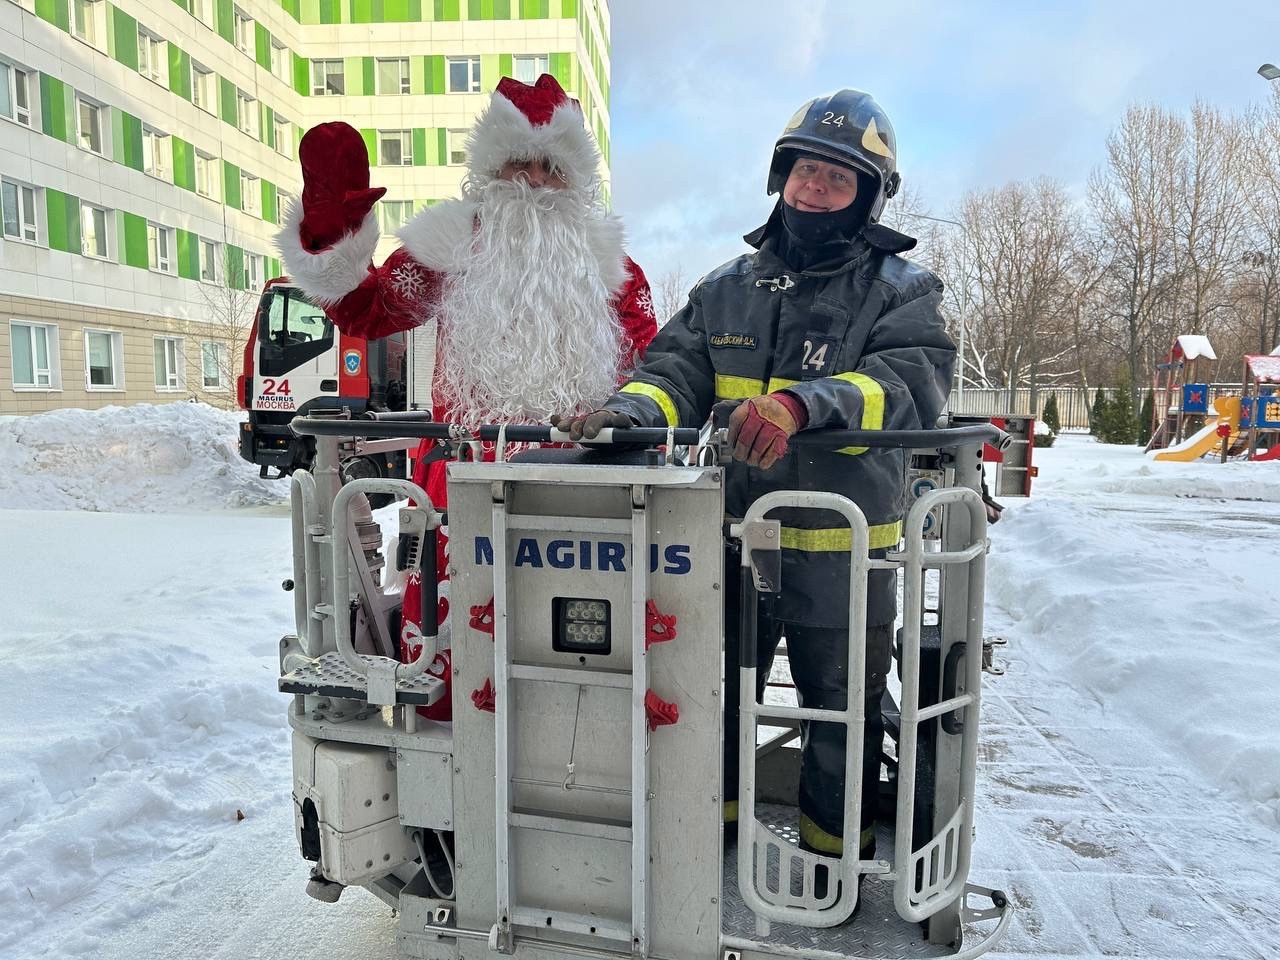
[{"x": 530, "y": 122}]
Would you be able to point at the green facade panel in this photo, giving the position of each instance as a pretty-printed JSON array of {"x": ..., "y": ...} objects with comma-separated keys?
[
  {"x": 504, "y": 65},
  {"x": 188, "y": 255},
  {"x": 270, "y": 211},
  {"x": 293, "y": 8},
  {"x": 419, "y": 146},
  {"x": 353, "y": 69},
  {"x": 366, "y": 75},
  {"x": 262, "y": 46},
  {"x": 180, "y": 72},
  {"x": 489, "y": 75},
  {"x": 418, "y": 67},
  {"x": 448, "y": 10},
  {"x": 273, "y": 267},
  {"x": 568, "y": 9},
  {"x": 55, "y": 116},
  {"x": 133, "y": 229},
  {"x": 371, "y": 144},
  {"x": 234, "y": 266},
  {"x": 362, "y": 11},
  {"x": 535, "y": 9},
  {"x": 63, "y": 217},
  {"x": 301, "y": 75},
  {"x": 227, "y": 100},
  {"x": 184, "y": 4},
  {"x": 267, "y": 124},
  {"x": 562, "y": 66},
  {"x": 184, "y": 164},
  {"x": 123, "y": 37},
  {"x": 330, "y": 11},
  {"x": 442, "y": 147},
  {"x": 224, "y": 17},
  {"x": 57, "y": 12},
  {"x": 435, "y": 74},
  {"x": 231, "y": 185},
  {"x": 126, "y": 139}
]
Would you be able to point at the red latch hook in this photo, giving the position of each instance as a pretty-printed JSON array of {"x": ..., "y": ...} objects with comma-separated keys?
[{"x": 658, "y": 626}]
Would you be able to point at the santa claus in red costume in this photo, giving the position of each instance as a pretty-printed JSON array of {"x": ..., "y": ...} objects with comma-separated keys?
[{"x": 539, "y": 309}]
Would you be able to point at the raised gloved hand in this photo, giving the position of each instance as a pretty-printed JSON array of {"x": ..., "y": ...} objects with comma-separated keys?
[
  {"x": 336, "y": 196},
  {"x": 760, "y": 427},
  {"x": 588, "y": 425}
]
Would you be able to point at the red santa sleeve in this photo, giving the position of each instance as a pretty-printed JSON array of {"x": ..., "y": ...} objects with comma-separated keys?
[{"x": 634, "y": 303}]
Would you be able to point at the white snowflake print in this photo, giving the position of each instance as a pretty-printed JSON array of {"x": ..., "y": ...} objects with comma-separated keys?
[
  {"x": 645, "y": 302},
  {"x": 408, "y": 282}
]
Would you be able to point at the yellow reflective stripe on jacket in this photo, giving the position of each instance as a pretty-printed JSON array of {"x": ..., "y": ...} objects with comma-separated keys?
[
  {"x": 737, "y": 388},
  {"x": 881, "y": 536},
  {"x": 780, "y": 383},
  {"x": 872, "y": 399},
  {"x": 658, "y": 396}
]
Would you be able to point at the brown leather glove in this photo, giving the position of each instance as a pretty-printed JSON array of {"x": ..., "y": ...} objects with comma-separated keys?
[
  {"x": 760, "y": 427},
  {"x": 588, "y": 425}
]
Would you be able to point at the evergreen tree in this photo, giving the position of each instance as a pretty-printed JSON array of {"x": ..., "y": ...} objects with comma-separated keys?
[
  {"x": 1050, "y": 415},
  {"x": 1145, "y": 417},
  {"x": 1098, "y": 414},
  {"x": 1121, "y": 426}
]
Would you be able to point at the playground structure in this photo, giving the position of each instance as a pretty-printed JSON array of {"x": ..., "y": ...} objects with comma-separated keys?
[{"x": 1188, "y": 424}]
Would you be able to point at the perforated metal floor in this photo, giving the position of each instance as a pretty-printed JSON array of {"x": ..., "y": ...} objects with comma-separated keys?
[
  {"x": 329, "y": 676},
  {"x": 877, "y": 930}
]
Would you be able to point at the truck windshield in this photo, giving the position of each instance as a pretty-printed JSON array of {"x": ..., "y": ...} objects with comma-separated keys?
[{"x": 291, "y": 330}]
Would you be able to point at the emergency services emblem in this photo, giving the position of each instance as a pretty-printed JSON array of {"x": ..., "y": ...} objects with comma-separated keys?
[{"x": 351, "y": 360}]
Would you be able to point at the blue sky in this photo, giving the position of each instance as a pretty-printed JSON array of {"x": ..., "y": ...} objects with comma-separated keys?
[{"x": 979, "y": 93}]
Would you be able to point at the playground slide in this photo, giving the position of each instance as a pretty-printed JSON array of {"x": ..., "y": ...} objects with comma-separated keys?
[{"x": 1196, "y": 446}]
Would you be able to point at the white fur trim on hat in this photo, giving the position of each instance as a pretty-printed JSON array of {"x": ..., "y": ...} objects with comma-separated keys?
[
  {"x": 439, "y": 237},
  {"x": 503, "y": 133},
  {"x": 328, "y": 276}
]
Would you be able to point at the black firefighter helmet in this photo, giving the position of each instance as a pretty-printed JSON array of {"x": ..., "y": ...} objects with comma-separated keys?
[{"x": 847, "y": 127}]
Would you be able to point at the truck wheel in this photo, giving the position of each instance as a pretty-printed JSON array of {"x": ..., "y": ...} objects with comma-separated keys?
[{"x": 362, "y": 468}]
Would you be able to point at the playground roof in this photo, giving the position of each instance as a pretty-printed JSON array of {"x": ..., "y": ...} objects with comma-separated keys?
[
  {"x": 1193, "y": 346},
  {"x": 1265, "y": 367}
]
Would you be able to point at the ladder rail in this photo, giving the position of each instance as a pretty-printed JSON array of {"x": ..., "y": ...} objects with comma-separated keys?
[{"x": 639, "y": 724}]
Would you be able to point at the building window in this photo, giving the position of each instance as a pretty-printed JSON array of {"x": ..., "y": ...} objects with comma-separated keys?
[
  {"x": 247, "y": 114},
  {"x": 250, "y": 194},
  {"x": 202, "y": 10},
  {"x": 284, "y": 136},
  {"x": 156, "y": 153},
  {"x": 457, "y": 147},
  {"x": 527, "y": 69},
  {"x": 394, "y": 214},
  {"x": 206, "y": 176},
  {"x": 245, "y": 42},
  {"x": 153, "y": 61},
  {"x": 283, "y": 201},
  {"x": 103, "y": 356},
  {"x": 159, "y": 248},
  {"x": 202, "y": 89},
  {"x": 395, "y": 148},
  {"x": 15, "y": 94},
  {"x": 169, "y": 373},
  {"x": 86, "y": 20},
  {"x": 464, "y": 74},
  {"x": 393, "y": 76},
  {"x": 280, "y": 62},
  {"x": 208, "y": 261},
  {"x": 34, "y": 348},
  {"x": 327, "y": 79},
  {"x": 18, "y": 205},
  {"x": 89, "y": 125},
  {"x": 255, "y": 265},
  {"x": 213, "y": 360},
  {"x": 93, "y": 231}
]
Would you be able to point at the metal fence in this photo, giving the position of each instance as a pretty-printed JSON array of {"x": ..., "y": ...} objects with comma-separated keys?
[{"x": 1074, "y": 403}]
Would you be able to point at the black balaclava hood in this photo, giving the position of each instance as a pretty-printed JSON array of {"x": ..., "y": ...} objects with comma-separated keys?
[{"x": 807, "y": 240}]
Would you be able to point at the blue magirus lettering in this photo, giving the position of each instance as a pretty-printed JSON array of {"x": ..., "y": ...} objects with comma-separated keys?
[{"x": 603, "y": 555}]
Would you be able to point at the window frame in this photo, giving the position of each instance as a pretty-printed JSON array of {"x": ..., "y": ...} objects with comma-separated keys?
[
  {"x": 403, "y": 82},
  {"x": 208, "y": 162},
  {"x": 253, "y": 270},
  {"x": 174, "y": 352},
  {"x": 202, "y": 10},
  {"x": 106, "y": 231},
  {"x": 455, "y": 142},
  {"x": 248, "y": 116},
  {"x": 282, "y": 130},
  {"x": 159, "y": 235},
  {"x": 200, "y": 76},
  {"x": 250, "y": 187},
  {"x": 98, "y": 109},
  {"x": 157, "y": 57},
  {"x": 19, "y": 188},
  {"x": 212, "y": 246},
  {"x": 387, "y": 223},
  {"x": 406, "y": 147},
  {"x": 280, "y": 62},
  {"x": 94, "y": 19},
  {"x": 242, "y": 23},
  {"x": 517, "y": 58},
  {"x": 11, "y": 74},
  {"x": 219, "y": 363},
  {"x": 158, "y": 149},
  {"x": 323, "y": 64},
  {"x": 54, "y": 368},
  {"x": 116, "y": 340},
  {"x": 473, "y": 70}
]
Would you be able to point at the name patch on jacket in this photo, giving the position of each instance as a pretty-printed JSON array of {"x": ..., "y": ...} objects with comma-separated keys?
[{"x": 739, "y": 341}]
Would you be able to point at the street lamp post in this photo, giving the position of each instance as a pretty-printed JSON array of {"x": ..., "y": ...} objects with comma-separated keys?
[{"x": 1269, "y": 71}]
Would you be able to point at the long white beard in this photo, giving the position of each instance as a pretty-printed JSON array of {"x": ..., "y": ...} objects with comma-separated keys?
[{"x": 527, "y": 329}]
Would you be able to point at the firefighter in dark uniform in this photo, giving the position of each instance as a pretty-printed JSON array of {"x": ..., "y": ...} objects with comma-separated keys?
[{"x": 824, "y": 326}]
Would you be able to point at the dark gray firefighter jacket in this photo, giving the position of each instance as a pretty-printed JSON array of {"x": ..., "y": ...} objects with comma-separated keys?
[{"x": 861, "y": 344}]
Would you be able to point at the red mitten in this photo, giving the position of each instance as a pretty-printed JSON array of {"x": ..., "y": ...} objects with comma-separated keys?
[{"x": 336, "y": 196}]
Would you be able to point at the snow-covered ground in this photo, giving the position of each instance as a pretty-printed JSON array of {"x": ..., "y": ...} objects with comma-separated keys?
[{"x": 1129, "y": 796}]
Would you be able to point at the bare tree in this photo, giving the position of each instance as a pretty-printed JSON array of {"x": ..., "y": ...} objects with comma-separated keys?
[
  {"x": 226, "y": 320},
  {"x": 669, "y": 294}
]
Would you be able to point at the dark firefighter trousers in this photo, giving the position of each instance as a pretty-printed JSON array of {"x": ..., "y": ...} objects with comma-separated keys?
[{"x": 819, "y": 657}]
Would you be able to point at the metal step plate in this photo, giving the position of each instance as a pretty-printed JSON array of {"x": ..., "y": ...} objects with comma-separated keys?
[{"x": 329, "y": 676}]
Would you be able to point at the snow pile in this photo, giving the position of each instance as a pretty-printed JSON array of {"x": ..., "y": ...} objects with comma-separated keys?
[
  {"x": 176, "y": 457},
  {"x": 1152, "y": 588}
]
